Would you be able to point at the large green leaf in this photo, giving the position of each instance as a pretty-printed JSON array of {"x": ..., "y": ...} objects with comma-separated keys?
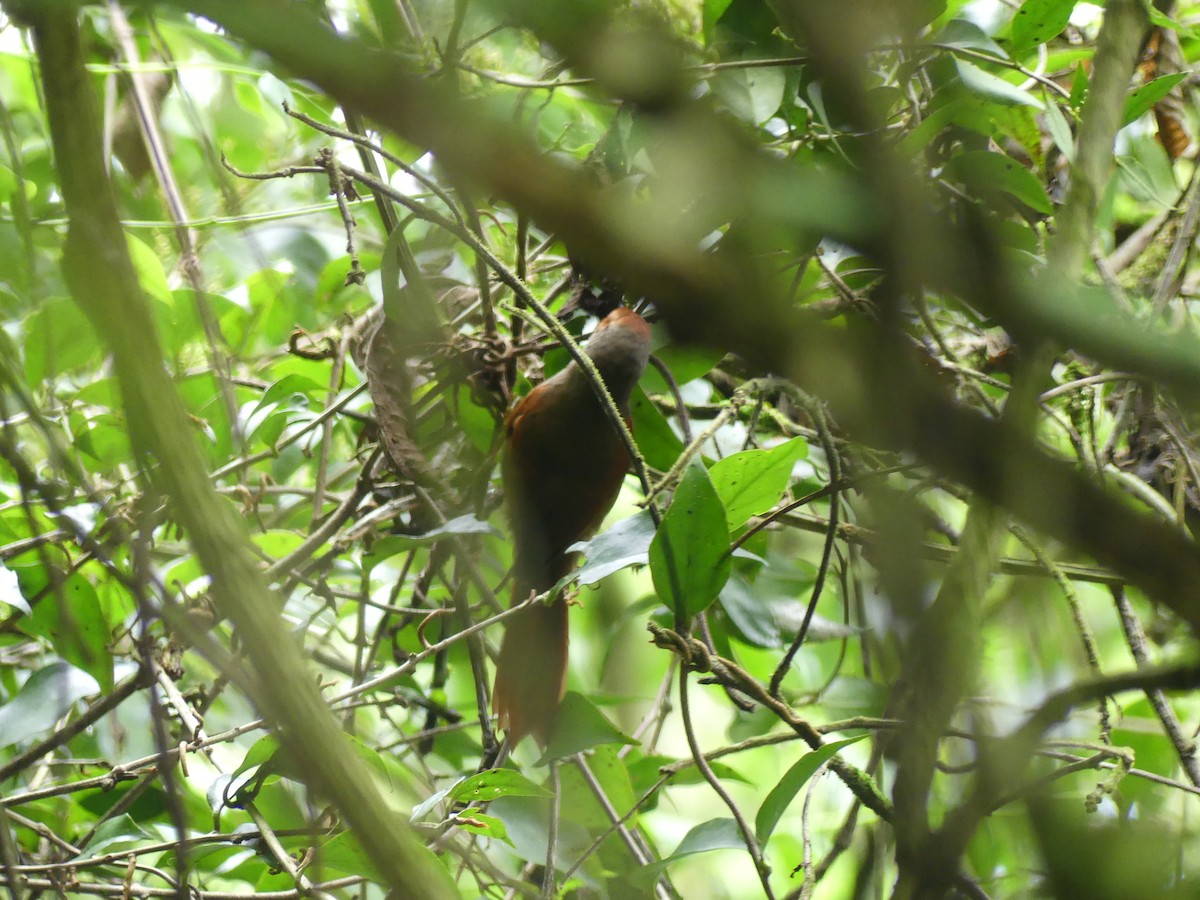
[
  {"x": 752, "y": 94},
  {"x": 689, "y": 556},
  {"x": 45, "y": 697},
  {"x": 487, "y": 786},
  {"x": 751, "y": 482},
  {"x": 72, "y": 620},
  {"x": 657, "y": 442},
  {"x": 1036, "y": 22},
  {"x": 684, "y": 362}
]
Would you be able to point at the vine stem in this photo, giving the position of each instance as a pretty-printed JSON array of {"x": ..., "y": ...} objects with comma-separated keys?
[{"x": 685, "y": 712}]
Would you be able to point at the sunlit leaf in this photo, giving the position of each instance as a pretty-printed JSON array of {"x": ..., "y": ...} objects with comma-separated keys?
[
  {"x": 487, "y": 786},
  {"x": 1036, "y": 22},
  {"x": 751, "y": 482}
]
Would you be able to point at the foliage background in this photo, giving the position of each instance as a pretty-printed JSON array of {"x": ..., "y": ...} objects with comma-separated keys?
[{"x": 930, "y": 336}]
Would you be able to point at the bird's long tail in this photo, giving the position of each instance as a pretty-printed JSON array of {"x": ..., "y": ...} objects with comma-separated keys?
[{"x": 531, "y": 671}]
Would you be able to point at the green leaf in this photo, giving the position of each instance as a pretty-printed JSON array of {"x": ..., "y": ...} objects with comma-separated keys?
[
  {"x": 477, "y": 423},
  {"x": 711, "y": 13},
  {"x": 118, "y": 833},
  {"x": 383, "y": 771},
  {"x": 579, "y": 726},
  {"x": 475, "y": 822},
  {"x": 344, "y": 855},
  {"x": 57, "y": 339},
  {"x": 1140, "y": 101},
  {"x": 151, "y": 275},
  {"x": 1152, "y": 749},
  {"x": 264, "y": 760},
  {"x": 753, "y": 95},
  {"x": 46, "y": 696},
  {"x": 984, "y": 172},
  {"x": 1060, "y": 130},
  {"x": 685, "y": 363},
  {"x": 781, "y": 796},
  {"x": 260, "y": 752},
  {"x": 607, "y": 776},
  {"x": 1036, "y": 22},
  {"x": 715, "y": 834},
  {"x": 751, "y": 482},
  {"x": 387, "y": 547},
  {"x": 752, "y": 616},
  {"x": 1162, "y": 20},
  {"x": 1021, "y": 124},
  {"x": 645, "y": 771},
  {"x": 73, "y": 621},
  {"x": 992, "y": 87},
  {"x": 487, "y": 786},
  {"x": 933, "y": 124},
  {"x": 104, "y": 438},
  {"x": 689, "y": 556},
  {"x": 659, "y": 444},
  {"x": 966, "y": 35},
  {"x": 277, "y": 543},
  {"x": 626, "y": 543},
  {"x": 290, "y": 386},
  {"x": 466, "y": 524},
  {"x": 525, "y": 819},
  {"x": 422, "y": 809}
]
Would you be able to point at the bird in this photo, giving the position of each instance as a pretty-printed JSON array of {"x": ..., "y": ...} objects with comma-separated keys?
[{"x": 562, "y": 466}]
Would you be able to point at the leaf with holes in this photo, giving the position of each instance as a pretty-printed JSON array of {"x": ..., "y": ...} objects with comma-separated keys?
[
  {"x": 751, "y": 482},
  {"x": 1036, "y": 22},
  {"x": 487, "y": 786}
]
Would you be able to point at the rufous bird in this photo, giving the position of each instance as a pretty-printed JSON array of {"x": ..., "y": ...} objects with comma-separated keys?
[{"x": 563, "y": 465}]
